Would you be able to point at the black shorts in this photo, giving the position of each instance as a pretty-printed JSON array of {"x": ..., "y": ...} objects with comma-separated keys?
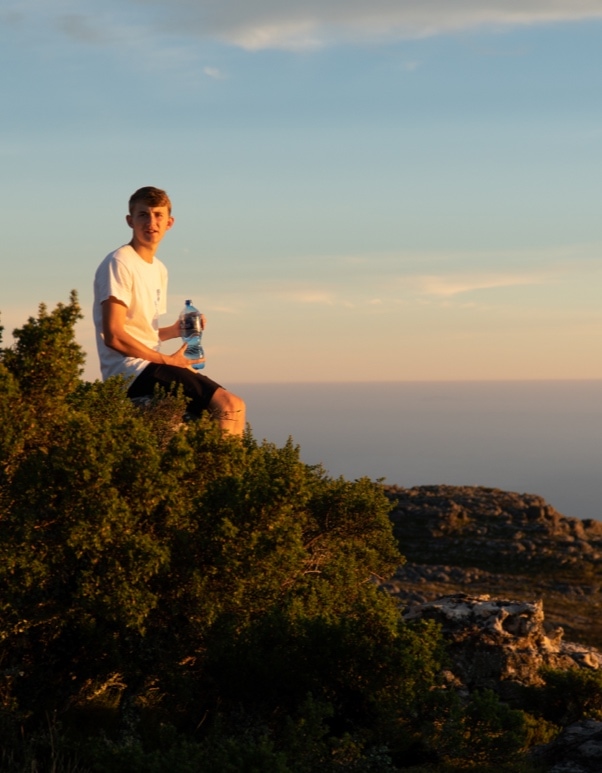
[{"x": 197, "y": 388}]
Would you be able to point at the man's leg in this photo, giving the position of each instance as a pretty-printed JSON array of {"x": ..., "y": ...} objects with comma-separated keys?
[
  {"x": 229, "y": 411},
  {"x": 199, "y": 390}
]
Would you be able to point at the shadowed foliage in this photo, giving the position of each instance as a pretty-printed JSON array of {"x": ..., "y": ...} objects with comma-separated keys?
[{"x": 173, "y": 599}]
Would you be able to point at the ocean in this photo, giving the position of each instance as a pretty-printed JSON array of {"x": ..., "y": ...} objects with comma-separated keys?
[{"x": 536, "y": 437}]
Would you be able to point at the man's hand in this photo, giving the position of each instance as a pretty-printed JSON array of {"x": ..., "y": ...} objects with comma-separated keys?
[
  {"x": 115, "y": 336},
  {"x": 173, "y": 331},
  {"x": 179, "y": 360}
]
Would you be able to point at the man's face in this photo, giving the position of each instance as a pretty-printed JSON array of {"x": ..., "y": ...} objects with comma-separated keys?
[{"x": 149, "y": 224}]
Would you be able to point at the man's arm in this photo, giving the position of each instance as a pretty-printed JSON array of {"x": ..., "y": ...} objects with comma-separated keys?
[
  {"x": 115, "y": 335},
  {"x": 169, "y": 332}
]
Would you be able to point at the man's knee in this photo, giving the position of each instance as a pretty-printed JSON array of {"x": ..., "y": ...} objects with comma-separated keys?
[{"x": 226, "y": 402}]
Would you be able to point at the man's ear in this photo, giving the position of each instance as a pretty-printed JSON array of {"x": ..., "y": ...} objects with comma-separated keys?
[
  {"x": 170, "y": 222},
  {"x": 129, "y": 221}
]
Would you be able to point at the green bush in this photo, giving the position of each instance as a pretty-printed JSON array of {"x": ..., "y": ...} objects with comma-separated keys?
[
  {"x": 571, "y": 695},
  {"x": 174, "y": 599}
]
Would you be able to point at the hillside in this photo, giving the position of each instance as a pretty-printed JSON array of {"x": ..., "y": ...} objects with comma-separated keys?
[{"x": 475, "y": 540}]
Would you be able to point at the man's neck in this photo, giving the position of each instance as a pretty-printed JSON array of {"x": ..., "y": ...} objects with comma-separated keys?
[{"x": 146, "y": 253}]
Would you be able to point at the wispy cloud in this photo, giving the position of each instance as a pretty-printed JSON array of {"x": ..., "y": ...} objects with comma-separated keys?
[
  {"x": 82, "y": 28},
  {"x": 446, "y": 286},
  {"x": 380, "y": 281},
  {"x": 225, "y": 309},
  {"x": 291, "y": 25},
  {"x": 319, "y": 297},
  {"x": 288, "y": 24},
  {"x": 215, "y": 73},
  {"x": 465, "y": 274},
  {"x": 288, "y": 293},
  {"x": 11, "y": 17}
]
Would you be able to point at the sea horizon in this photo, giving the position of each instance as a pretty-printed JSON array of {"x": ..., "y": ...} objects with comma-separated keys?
[{"x": 540, "y": 437}]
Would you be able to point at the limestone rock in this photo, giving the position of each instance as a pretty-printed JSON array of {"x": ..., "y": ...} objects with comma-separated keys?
[
  {"x": 578, "y": 749},
  {"x": 484, "y": 563},
  {"x": 500, "y": 644},
  {"x": 477, "y": 540}
]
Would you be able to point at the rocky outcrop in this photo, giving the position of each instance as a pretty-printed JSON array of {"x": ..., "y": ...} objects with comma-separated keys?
[
  {"x": 476, "y": 540},
  {"x": 490, "y": 528},
  {"x": 501, "y": 644},
  {"x": 578, "y": 749},
  {"x": 483, "y": 564}
]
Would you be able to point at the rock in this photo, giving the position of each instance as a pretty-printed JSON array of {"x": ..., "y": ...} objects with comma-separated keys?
[
  {"x": 477, "y": 540},
  {"x": 501, "y": 644},
  {"x": 578, "y": 749},
  {"x": 490, "y": 528},
  {"x": 483, "y": 564}
]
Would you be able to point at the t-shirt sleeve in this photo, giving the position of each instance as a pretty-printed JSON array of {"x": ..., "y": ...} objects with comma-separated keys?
[{"x": 115, "y": 280}]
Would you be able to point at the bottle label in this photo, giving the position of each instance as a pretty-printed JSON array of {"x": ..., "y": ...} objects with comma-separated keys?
[{"x": 190, "y": 323}]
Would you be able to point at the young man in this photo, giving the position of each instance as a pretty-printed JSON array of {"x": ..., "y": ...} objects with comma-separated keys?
[{"x": 130, "y": 290}]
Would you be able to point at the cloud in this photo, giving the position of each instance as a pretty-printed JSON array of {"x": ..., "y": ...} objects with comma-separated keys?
[
  {"x": 81, "y": 28},
  {"x": 319, "y": 297},
  {"x": 560, "y": 267},
  {"x": 256, "y": 25},
  {"x": 378, "y": 281},
  {"x": 225, "y": 309},
  {"x": 447, "y": 286},
  {"x": 213, "y": 72},
  {"x": 451, "y": 274},
  {"x": 11, "y": 17},
  {"x": 288, "y": 24},
  {"x": 287, "y": 291}
]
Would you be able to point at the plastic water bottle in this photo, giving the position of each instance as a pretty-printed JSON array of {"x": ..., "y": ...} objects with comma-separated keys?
[{"x": 191, "y": 333}]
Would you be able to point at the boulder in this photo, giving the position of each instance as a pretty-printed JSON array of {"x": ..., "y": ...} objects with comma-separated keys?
[
  {"x": 500, "y": 644},
  {"x": 578, "y": 749}
]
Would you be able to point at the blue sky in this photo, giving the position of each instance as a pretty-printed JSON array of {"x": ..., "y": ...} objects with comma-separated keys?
[{"x": 363, "y": 191}]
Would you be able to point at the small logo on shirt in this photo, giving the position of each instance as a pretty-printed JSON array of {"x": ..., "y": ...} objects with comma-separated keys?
[{"x": 157, "y": 307}]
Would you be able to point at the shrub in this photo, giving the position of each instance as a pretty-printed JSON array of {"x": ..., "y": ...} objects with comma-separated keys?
[
  {"x": 571, "y": 695},
  {"x": 177, "y": 599}
]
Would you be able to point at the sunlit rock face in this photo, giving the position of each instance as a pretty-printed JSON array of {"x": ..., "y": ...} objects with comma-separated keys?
[{"x": 500, "y": 643}]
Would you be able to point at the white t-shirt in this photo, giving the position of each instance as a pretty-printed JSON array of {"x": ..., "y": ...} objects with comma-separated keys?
[{"x": 142, "y": 287}]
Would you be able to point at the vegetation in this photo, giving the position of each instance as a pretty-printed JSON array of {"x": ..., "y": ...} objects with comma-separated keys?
[{"x": 172, "y": 599}]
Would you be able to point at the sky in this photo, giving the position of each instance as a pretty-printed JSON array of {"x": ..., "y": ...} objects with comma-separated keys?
[{"x": 364, "y": 190}]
